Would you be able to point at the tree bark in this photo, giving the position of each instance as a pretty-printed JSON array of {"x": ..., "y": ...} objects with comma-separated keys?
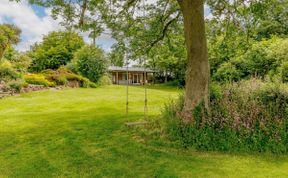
[
  {"x": 94, "y": 40},
  {"x": 82, "y": 14},
  {"x": 197, "y": 74},
  {"x": 166, "y": 76}
]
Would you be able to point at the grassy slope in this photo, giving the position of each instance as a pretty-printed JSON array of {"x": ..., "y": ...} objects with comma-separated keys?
[{"x": 81, "y": 133}]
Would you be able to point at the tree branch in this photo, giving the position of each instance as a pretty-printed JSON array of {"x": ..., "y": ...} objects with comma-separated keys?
[
  {"x": 83, "y": 9},
  {"x": 163, "y": 33}
]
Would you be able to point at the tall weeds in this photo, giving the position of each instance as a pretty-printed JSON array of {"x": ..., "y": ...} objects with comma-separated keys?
[{"x": 250, "y": 116}]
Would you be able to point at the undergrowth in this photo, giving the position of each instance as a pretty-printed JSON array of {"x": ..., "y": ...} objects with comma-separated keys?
[{"x": 249, "y": 116}]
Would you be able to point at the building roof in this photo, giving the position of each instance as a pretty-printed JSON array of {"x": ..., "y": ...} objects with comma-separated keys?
[{"x": 130, "y": 69}]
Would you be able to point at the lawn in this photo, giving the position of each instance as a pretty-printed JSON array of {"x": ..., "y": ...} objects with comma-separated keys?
[{"x": 82, "y": 133}]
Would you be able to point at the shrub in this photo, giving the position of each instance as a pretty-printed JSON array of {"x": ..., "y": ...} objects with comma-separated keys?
[
  {"x": 7, "y": 72},
  {"x": 175, "y": 83},
  {"x": 20, "y": 62},
  {"x": 16, "y": 85},
  {"x": 250, "y": 116},
  {"x": 284, "y": 71},
  {"x": 274, "y": 97},
  {"x": 72, "y": 67},
  {"x": 91, "y": 62},
  {"x": 266, "y": 56},
  {"x": 227, "y": 73},
  {"x": 63, "y": 76},
  {"x": 261, "y": 59},
  {"x": 104, "y": 80},
  {"x": 56, "y": 49},
  {"x": 38, "y": 79},
  {"x": 257, "y": 60}
]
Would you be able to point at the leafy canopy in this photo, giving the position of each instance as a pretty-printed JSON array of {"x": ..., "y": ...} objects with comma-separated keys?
[
  {"x": 91, "y": 62},
  {"x": 56, "y": 49},
  {"x": 9, "y": 35}
]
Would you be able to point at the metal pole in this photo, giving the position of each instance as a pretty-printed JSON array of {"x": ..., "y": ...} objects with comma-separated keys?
[
  {"x": 145, "y": 75},
  {"x": 127, "y": 83},
  {"x": 145, "y": 88}
]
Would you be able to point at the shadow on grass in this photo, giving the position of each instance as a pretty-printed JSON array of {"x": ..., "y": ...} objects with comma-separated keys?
[{"x": 88, "y": 143}]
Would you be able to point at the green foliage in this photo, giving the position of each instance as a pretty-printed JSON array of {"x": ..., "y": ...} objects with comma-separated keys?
[
  {"x": 168, "y": 60},
  {"x": 7, "y": 72},
  {"x": 38, "y": 79},
  {"x": 116, "y": 56},
  {"x": 64, "y": 76},
  {"x": 253, "y": 19},
  {"x": 19, "y": 61},
  {"x": 264, "y": 58},
  {"x": 175, "y": 83},
  {"x": 284, "y": 71},
  {"x": 223, "y": 49},
  {"x": 274, "y": 96},
  {"x": 227, "y": 72},
  {"x": 72, "y": 67},
  {"x": 91, "y": 62},
  {"x": 9, "y": 35},
  {"x": 244, "y": 34},
  {"x": 104, "y": 80},
  {"x": 258, "y": 62},
  {"x": 215, "y": 92},
  {"x": 57, "y": 49},
  {"x": 16, "y": 85},
  {"x": 250, "y": 116}
]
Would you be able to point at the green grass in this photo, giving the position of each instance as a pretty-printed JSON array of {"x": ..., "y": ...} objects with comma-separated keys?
[{"x": 82, "y": 133}]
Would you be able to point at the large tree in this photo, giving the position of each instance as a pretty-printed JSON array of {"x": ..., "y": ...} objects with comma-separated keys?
[
  {"x": 56, "y": 49},
  {"x": 197, "y": 77},
  {"x": 190, "y": 12}
]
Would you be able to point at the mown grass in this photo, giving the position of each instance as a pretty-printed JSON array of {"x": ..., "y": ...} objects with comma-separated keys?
[{"x": 82, "y": 133}]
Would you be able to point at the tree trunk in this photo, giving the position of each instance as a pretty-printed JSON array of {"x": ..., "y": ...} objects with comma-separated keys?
[
  {"x": 82, "y": 14},
  {"x": 166, "y": 76},
  {"x": 197, "y": 74},
  {"x": 94, "y": 40}
]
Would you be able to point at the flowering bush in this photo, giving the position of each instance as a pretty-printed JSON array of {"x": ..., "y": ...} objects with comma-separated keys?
[
  {"x": 38, "y": 79},
  {"x": 7, "y": 72},
  {"x": 64, "y": 76},
  {"x": 247, "y": 116}
]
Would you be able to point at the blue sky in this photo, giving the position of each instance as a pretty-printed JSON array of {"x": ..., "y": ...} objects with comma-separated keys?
[
  {"x": 35, "y": 21},
  {"x": 39, "y": 11}
]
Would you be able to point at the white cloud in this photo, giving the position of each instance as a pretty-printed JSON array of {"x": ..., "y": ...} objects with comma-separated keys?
[{"x": 22, "y": 15}]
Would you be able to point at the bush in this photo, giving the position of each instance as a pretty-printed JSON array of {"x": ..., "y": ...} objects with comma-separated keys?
[
  {"x": 38, "y": 79},
  {"x": 20, "y": 62},
  {"x": 64, "y": 76},
  {"x": 90, "y": 62},
  {"x": 284, "y": 71},
  {"x": 175, "y": 83},
  {"x": 72, "y": 67},
  {"x": 250, "y": 116},
  {"x": 56, "y": 49},
  {"x": 7, "y": 72},
  {"x": 267, "y": 57},
  {"x": 16, "y": 85},
  {"x": 104, "y": 80},
  {"x": 274, "y": 97},
  {"x": 227, "y": 73}
]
